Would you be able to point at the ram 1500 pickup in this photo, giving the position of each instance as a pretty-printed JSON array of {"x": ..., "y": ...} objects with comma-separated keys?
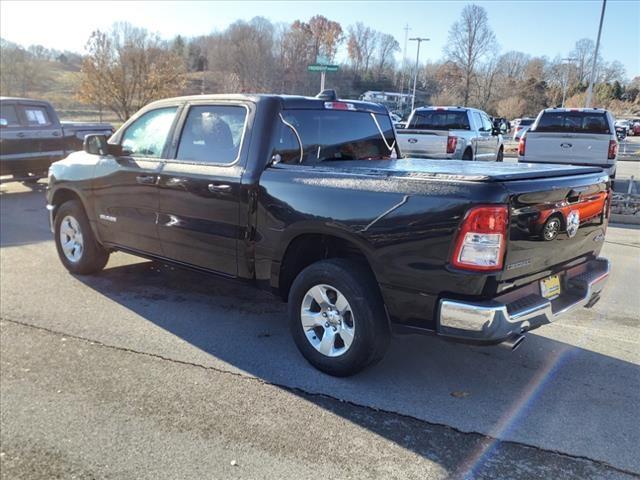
[
  {"x": 32, "y": 137},
  {"x": 307, "y": 197}
]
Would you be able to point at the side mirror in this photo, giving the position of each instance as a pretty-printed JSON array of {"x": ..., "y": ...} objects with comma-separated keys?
[{"x": 97, "y": 145}]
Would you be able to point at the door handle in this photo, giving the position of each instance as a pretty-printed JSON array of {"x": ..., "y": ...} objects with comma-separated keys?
[
  {"x": 146, "y": 179},
  {"x": 217, "y": 188},
  {"x": 20, "y": 135},
  {"x": 56, "y": 134}
]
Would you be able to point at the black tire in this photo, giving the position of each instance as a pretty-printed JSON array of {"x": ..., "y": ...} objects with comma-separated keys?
[
  {"x": 93, "y": 256},
  {"x": 467, "y": 155},
  {"x": 371, "y": 333},
  {"x": 500, "y": 157}
]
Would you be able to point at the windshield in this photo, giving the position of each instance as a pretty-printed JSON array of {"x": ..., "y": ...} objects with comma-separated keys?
[
  {"x": 526, "y": 121},
  {"x": 573, "y": 122},
  {"x": 314, "y": 136},
  {"x": 440, "y": 120}
]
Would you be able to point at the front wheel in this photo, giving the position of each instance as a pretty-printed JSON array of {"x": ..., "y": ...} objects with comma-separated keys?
[
  {"x": 337, "y": 317},
  {"x": 76, "y": 244}
]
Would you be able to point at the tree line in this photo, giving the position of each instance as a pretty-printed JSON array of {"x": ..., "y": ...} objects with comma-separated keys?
[{"x": 126, "y": 67}]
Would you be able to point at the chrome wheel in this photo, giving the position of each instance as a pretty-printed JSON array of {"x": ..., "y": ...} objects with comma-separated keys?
[
  {"x": 327, "y": 320},
  {"x": 551, "y": 229},
  {"x": 71, "y": 239}
]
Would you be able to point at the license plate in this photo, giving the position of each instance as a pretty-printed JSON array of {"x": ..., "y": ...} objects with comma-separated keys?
[{"x": 550, "y": 286}]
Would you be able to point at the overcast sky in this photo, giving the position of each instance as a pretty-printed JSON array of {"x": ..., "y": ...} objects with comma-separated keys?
[{"x": 547, "y": 28}]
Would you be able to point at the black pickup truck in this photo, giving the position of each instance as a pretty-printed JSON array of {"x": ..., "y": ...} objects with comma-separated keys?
[
  {"x": 308, "y": 197},
  {"x": 32, "y": 137}
]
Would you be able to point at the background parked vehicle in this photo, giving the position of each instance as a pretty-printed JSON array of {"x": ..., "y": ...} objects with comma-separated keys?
[
  {"x": 624, "y": 124},
  {"x": 576, "y": 136},
  {"x": 32, "y": 136},
  {"x": 306, "y": 197},
  {"x": 521, "y": 127},
  {"x": 451, "y": 133}
]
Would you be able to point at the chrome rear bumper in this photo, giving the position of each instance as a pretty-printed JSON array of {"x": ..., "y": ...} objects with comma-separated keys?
[{"x": 493, "y": 321}]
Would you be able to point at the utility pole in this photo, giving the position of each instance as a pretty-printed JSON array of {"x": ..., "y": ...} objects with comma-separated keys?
[
  {"x": 587, "y": 103},
  {"x": 404, "y": 64},
  {"x": 565, "y": 77},
  {"x": 322, "y": 77},
  {"x": 415, "y": 73}
]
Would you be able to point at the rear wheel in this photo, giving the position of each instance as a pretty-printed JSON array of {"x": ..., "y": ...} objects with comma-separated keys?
[
  {"x": 500, "y": 156},
  {"x": 76, "y": 244},
  {"x": 337, "y": 317}
]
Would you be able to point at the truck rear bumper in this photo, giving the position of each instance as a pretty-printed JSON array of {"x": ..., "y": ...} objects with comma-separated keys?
[{"x": 511, "y": 314}]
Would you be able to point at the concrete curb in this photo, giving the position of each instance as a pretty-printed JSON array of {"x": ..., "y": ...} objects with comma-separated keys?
[{"x": 624, "y": 219}]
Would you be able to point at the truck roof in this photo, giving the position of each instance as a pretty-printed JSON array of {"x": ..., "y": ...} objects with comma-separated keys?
[
  {"x": 574, "y": 110},
  {"x": 24, "y": 100},
  {"x": 288, "y": 102}
]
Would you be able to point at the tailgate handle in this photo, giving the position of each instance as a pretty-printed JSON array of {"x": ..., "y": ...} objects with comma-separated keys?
[{"x": 412, "y": 140}]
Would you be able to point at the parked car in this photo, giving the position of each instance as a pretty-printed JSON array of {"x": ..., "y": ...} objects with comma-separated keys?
[
  {"x": 451, "y": 133},
  {"x": 521, "y": 128},
  {"x": 636, "y": 127},
  {"x": 623, "y": 124},
  {"x": 303, "y": 197},
  {"x": 32, "y": 137},
  {"x": 574, "y": 136}
]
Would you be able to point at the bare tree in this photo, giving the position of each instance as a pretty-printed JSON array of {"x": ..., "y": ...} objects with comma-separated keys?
[
  {"x": 512, "y": 107},
  {"x": 20, "y": 71},
  {"x": 126, "y": 68},
  {"x": 387, "y": 47},
  {"x": 470, "y": 38},
  {"x": 361, "y": 46}
]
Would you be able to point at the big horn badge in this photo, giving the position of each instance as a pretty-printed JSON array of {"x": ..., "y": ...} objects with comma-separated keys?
[{"x": 573, "y": 222}]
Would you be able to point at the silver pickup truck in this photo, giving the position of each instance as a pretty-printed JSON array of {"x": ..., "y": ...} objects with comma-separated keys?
[{"x": 451, "y": 133}]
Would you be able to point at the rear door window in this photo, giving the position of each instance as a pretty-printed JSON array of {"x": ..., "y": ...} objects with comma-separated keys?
[
  {"x": 573, "y": 122},
  {"x": 440, "y": 120},
  {"x": 9, "y": 115},
  {"x": 36, "y": 116},
  {"x": 212, "y": 134}
]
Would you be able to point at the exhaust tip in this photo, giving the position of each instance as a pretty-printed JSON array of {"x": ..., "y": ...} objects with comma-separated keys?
[{"x": 513, "y": 342}]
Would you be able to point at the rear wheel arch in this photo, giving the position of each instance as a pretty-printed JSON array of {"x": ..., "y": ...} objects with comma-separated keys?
[{"x": 307, "y": 248}]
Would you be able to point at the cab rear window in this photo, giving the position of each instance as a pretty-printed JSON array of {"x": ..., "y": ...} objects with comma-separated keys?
[
  {"x": 310, "y": 137},
  {"x": 573, "y": 122},
  {"x": 440, "y": 120}
]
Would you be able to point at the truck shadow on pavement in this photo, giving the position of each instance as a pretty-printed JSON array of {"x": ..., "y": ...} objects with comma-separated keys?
[{"x": 548, "y": 394}]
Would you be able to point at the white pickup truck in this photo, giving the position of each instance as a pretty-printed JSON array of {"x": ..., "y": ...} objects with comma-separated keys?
[
  {"x": 575, "y": 136},
  {"x": 451, "y": 133}
]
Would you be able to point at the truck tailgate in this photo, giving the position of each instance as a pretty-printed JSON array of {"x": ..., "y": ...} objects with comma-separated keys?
[
  {"x": 581, "y": 148},
  {"x": 423, "y": 143},
  {"x": 553, "y": 223}
]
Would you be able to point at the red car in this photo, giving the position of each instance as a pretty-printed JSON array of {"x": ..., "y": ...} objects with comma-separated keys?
[{"x": 635, "y": 127}]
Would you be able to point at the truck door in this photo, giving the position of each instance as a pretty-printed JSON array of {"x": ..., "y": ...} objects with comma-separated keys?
[
  {"x": 15, "y": 144},
  {"x": 45, "y": 130},
  {"x": 125, "y": 187},
  {"x": 199, "y": 188}
]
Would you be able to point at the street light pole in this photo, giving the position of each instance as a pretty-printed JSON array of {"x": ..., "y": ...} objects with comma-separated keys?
[
  {"x": 587, "y": 103},
  {"x": 415, "y": 73}
]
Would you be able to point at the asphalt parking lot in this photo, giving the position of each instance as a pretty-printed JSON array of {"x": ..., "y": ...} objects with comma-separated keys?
[{"x": 146, "y": 371}]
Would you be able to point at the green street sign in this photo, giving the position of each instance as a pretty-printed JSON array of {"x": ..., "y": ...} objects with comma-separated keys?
[{"x": 322, "y": 68}]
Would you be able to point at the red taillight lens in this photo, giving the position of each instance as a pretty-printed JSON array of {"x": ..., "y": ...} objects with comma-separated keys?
[
  {"x": 522, "y": 145},
  {"x": 613, "y": 149},
  {"x": 452, "y": 142},
  {"x": 482, "y": 239}
]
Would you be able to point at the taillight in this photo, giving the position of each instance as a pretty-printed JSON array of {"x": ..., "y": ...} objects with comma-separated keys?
[
  {"x": 482, "y": 239},
  {"x": 451, "y": 144},
  {"x": 339, "y": 106},
  {"x": 522, "y": 145},
  {"x": 613, "y": 149}
]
